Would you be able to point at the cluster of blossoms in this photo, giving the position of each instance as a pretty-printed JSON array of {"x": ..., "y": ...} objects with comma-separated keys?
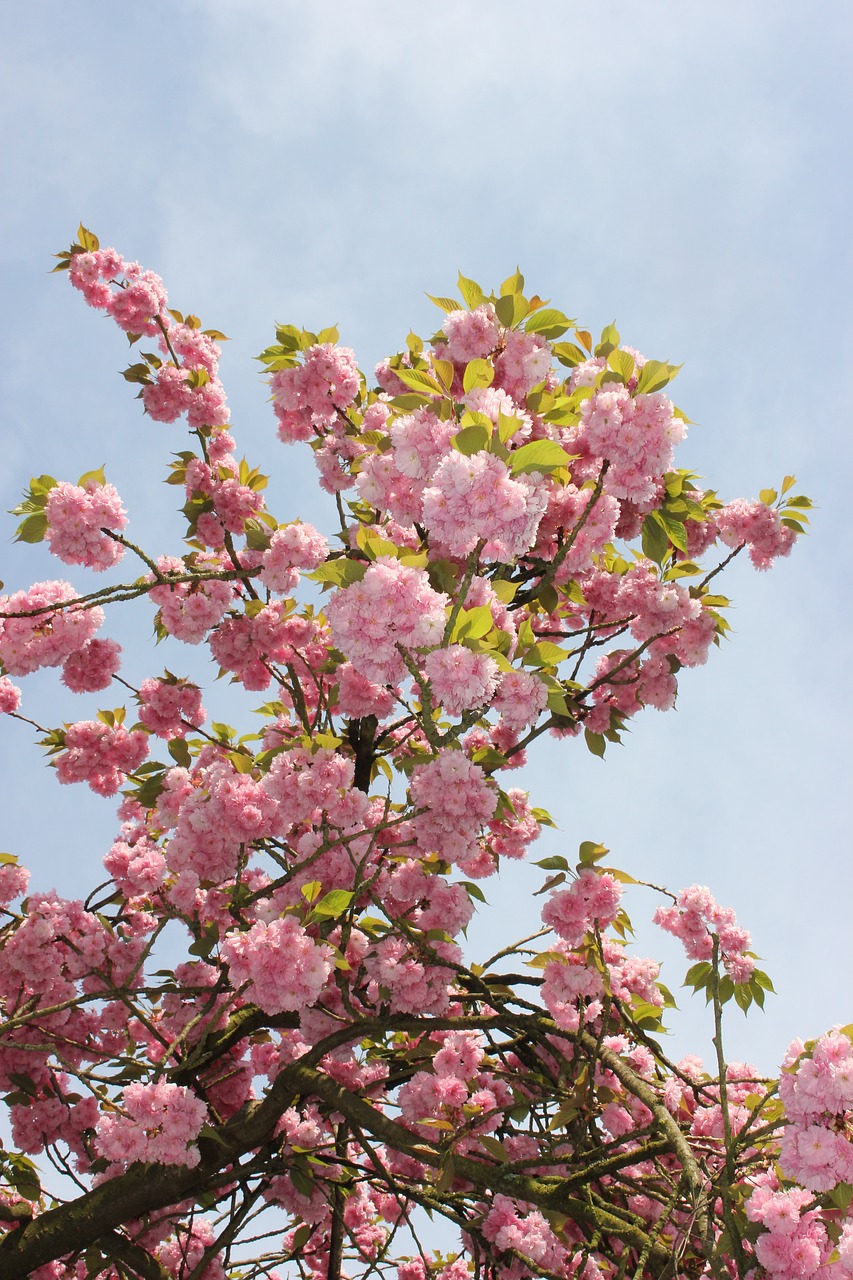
[
  {"x": 156, "y": 1123},
  {"x": 817, "y": 1091},
  {"x": 308, "y": 396},
  {"x": 284, "y": 968},
  {"x": 76, "y": 517},
  {"x": 168, "y": 706},
  {"x": 696, "y": 918},
  {"x": 38, "y": 629},
  {"x": 477, "y": 598},
  {"x": 393, "y": 607},
  {"x": 756, "y": 526},
  {"x": 457, "y": 801},
  {"x": 100, "y": 754}
]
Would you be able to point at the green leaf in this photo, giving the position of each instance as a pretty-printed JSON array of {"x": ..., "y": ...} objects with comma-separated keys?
[
  {"x": 478, "y": 373},
  {"x": 697, "y": 975},
  {"x": 472, "y": 624},
  {"x": 87, "y": 239},
  {"x": 328, "y": 335},
  {"x": 539, "y": 455},
  {"x": 445, "y": 372},
  {"x": 340, "y": 573},
  {"x": 570, "y": 355},
  {"x": 549, "y": 322},
  {"x": 98, "y": 477},
  {"x": 334, "y": 903},
  {"x": 589, "y": 852},
  {"x": 595, "y": 743},
  {"x": 513, "y": 283},
  {"x": 545, "y": 654},
  {"x": 180, "y": 752},
  {"x": 510, "y": 309},
  {"x": 8, "y": 859},
  {"x": 554, "y": 863},
  {"x": 417, "y": 380},
  {"x": 33, "y": 528},
  {"x": 302, "y": 1182},
  {"x": 446, "y": 304},
  {"x": 675, "y": 530},
  {"x": 654, "y": 538},
  {"x": 473, "y": 890},
  {"x": 654, "y": 375},
  {"x": 621, "y": 363},
  {"x": 768, "y": 497},
  {"x": 471, "y": 439},
  {"x": 471, "y": 292}
]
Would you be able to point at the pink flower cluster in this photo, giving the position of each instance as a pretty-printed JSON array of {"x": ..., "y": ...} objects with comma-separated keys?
[
  {"x": 157, "y": 1124},
  {"x": 565, "y": 984},
  {"x": 817, "y": 1091},
  {"x": 757, "y": 525},
  {"x": 475, "y": 497},
  {"x": 44, "y": 639},
  {"x": 135, "y": 305},
  {"x": 100, "y": 754},
  {"x": 358, "y": 696},
  {"x": 460, "y": 679},
  {"x": 292, "y": 547},
  {"x": 695, "y": 918},
  {"x": 524, "y": 362},
  {"x": 796, "y": 1243},
  {"x": 213, "y": 812},
  {"x": 458, "y": 800},
  {"x": 91, "y": 668},
  {"x": 188, "y": 610},
  {"x": 528, "y": 1234},
  {"x": 592, "y": 898},
  {"x": 285, "y": 968},
  {"x": 636, "y": 434},
  {"x": 393, "y": 605},
  {"x": 10, "y": 696},
  {"x": 167, "y": 706},
  {"x": 137, "y": 302},
  {"x": 75, "y": 518},
  {"x": 309, "y": 396},
  {"x": 520, "y": 697},
  {"x": 471, "y": 335},
  {"x": 566, "y": 507}
]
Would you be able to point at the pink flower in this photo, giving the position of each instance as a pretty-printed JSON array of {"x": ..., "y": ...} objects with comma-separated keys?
[
  {"x": 40, "y": 636},
  {"x": 285, "y": 969},
  {"x": 157, "y": 1124}
]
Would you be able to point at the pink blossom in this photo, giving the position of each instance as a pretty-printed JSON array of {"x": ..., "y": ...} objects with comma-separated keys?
[
  {"x": 292, "y": 547},
  {"x": 460, "y": 679},
  {"x": 759, "y": 527},
  {"x": 92, "y": 668},
  {"x": 285, "y": 969},
  {"x": 100, "y": 754},
  {"x": 695, "y": 918},
  {"x": 593, "y": 898},
  {"x": 45, "y": 638},
  {"x": 167, "y": 706},
  {"x": 471, "y": 335},
  {"x": 307, "y": 396},
  {"x": 393, "y": 605},
  {"x": 458, "y": 801},
  {"x": 473, "y": 498},
  {"x": 520, "y": 697},
  {"x": 157, "y": 1123},
  {"x": 10, "y": 696}
]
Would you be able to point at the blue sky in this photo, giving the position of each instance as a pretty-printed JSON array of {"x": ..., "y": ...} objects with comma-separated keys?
[{"x": 678, "y": 167}]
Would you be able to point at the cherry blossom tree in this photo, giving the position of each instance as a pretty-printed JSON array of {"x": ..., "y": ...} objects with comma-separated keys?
[{"x": 326, "y": 1073}]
